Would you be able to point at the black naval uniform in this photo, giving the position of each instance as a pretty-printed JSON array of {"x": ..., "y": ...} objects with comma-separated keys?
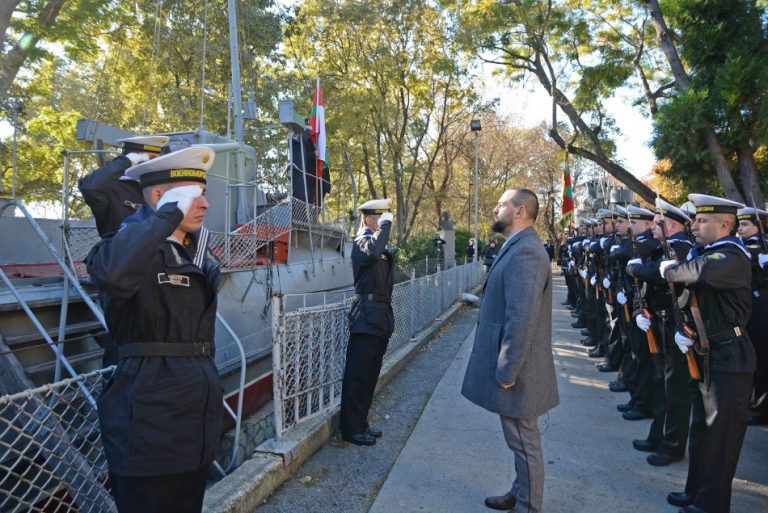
[
  {"x": 371, "y": 323},
  {"x": 757, "y": 327},
  {"x": 670, "y": 421},
  {"x": 640, "y": 381},
  {"x": 111, "y": 200},
  {"x": 160, "y": 414},
  {"x": 720, "y": 276}
]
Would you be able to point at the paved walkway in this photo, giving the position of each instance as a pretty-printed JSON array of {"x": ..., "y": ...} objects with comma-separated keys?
[{"x": 456, "y": 454}]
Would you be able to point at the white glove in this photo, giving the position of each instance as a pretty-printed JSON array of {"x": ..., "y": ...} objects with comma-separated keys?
[
  {"x": 614, "y": 248},
  {"x": 635, "y": 261},
  {"x": 183, "y": 196},
  {"x": 762, "y": 259},
  {"x": 593, "y": 280},
  {"x": 583, "y": 273},
  {"x": 642, "y": 323},
  {"x": 607, "y": 282},
  {"x": 571, "y": 264},
  {"x": 137, "y": 158},
  {"x": 683, "y": 342},
  {"x": 386, "y": 217},
  {"x": 666, "y": 264},
  {"x": 621, "y": 298}
]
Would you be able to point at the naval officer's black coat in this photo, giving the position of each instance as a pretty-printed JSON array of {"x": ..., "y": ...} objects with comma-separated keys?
[
  {"x": 111, "y": 200},
  {"x": 158, "y": 414}
]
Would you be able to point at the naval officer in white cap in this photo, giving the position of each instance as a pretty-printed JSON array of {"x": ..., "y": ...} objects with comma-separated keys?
[
  {"x": 720, "y": 276},
  {"x": 371, "y": 321},
  {"x": 160, "y": 414},
  {"x": 112, "y": 200}
]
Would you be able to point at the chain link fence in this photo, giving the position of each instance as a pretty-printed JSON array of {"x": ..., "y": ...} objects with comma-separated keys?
[
  {"x": 51, "y": 458},
  {"x": 310, "y": 342}
]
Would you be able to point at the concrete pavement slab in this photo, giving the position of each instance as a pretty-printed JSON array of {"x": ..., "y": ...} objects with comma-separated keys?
[{"x": 456, "y": 454}]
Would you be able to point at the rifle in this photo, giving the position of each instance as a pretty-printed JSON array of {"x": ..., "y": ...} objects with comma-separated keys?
[
  {"x": 620, "y": 275},
  {"x": 653, "y": 345},
  {"x": 693, "y": 368}
]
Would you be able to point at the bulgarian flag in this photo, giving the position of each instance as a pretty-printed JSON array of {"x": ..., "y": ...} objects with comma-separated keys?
[
  {"x": 317, "y": 128},
  {"x": 568, "y": 207}
]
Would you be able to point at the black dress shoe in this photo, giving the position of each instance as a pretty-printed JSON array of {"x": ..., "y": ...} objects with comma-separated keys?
[
  {"x": 578, "y": 325},
  {"x": 606, "y": 367},
  {"x": 596, "y": 352},
  {"x": 626, "y": 407},
  {"x": 585, "y": 332},
  {"x": 376, "y": 433},
  {"x": 680, "y": 499},
  {"x": 635, "y": 414},
  {"x": 648, "y": 446},
  {"x": 501, "y": 502},
  {"x": 662, "y": 459},
  {"x": 588, "y": 342},
  {"x": 618, "y": 387},
  {"x": 359, "y": 439},
  {"x": 574, "y": 315}
]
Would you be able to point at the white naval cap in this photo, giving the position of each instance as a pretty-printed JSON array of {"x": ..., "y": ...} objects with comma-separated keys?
[
  {"x": 607, "y": 213},
  {"x": 750, "y": 214},
  {"x": 640, "y": 213},
  {"x": 689, "y": 208},
  {"x": 621, "y": 212},
  {"x": 375, "y": 206},
  {"x": 706, "y": 204},
  {"x": 669, "y": 210},
  {"x": 186, "y": 165},
  {"x": 145, "y": 143}
]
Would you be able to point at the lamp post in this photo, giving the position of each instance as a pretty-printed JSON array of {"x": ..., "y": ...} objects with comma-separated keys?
[{"x": 475, "y": 126}]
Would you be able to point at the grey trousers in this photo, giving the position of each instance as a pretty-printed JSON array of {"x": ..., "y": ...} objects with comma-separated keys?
[{"x": 524, "y": 438}]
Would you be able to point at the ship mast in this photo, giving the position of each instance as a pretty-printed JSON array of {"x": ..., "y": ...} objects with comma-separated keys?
[{"x": 237, "y": 108}]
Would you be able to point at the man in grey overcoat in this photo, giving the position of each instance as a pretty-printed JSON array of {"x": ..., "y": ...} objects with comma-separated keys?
[{"x": 511, "y": 370}]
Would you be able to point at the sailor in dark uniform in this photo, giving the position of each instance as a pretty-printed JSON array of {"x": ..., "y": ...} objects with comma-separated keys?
[
  {"x": 111, "y": 196},
  {"x": 719, "y": 276},
  {"x": 668, "y": 445},
  {"x": 371, "y": 321},
  {"x": 160, "y": 414},
  {"x": 758, "y": 322}
]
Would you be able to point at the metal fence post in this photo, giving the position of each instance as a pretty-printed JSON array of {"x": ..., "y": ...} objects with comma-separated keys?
[{"x": 277, "y": 369}]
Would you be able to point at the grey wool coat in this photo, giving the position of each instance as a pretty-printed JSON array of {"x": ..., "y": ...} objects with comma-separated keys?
[{"x": 513, "y": 339}]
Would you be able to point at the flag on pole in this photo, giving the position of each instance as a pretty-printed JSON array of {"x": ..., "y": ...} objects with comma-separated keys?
[
  {"x": 317, "y": 128},
  {"x": 567, "y": 197}
]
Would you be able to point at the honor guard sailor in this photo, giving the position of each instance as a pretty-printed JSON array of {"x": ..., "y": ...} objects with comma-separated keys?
[
  {"x": 752, "y": 233},
  {"x": 371, "y": 321},
  {"x": 719, "y": 276},
  {"x": 160, "y": 414},
  {"x": 669, "y": 430}
]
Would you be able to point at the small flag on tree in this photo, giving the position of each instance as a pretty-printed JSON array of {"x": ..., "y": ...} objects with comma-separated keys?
[
  {"x": 567, "y": 197},
  {"x": 317, "y": 129}
]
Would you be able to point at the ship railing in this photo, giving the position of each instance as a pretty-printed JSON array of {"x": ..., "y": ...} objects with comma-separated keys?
[
  {"x": 70, "y": 282},
  {"x": 51, "y": 455},
  {"x": 244, "y": 247},
  {"x": 309, "y": 342}
]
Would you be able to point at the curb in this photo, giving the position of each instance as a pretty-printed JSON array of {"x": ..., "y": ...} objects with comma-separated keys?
[{"x": 253, "y": 482}]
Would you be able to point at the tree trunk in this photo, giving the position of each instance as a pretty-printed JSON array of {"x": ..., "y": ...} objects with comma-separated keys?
[
  {"x": 750, "y": 183},
  {"x": 6, "y": 11},
  {"x": 14, "y": 59},
  {"x": 682, "y": 81}
]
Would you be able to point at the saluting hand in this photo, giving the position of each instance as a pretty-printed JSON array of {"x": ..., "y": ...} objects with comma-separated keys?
[
  {"x": 183, "y": 196},
  {"x": 386, "y": 217}
]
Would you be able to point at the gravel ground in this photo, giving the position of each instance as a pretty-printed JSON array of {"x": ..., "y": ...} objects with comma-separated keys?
[{"x": 343, "y": 478}]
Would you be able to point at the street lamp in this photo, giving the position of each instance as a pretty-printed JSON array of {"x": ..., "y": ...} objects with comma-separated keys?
[{"x": 476, "y": 127}]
